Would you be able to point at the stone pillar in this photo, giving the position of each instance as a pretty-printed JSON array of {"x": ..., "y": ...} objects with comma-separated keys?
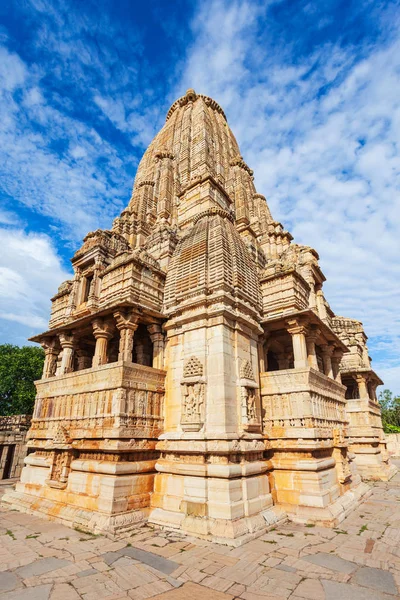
[
  {"x": 321, "y": 304},
  {"x": 127, "y": 323},
  {"x": 336, "y": 358},
  {"x": 297, "y": 330},
  {"x": 102, "y": 331},
  {"x": 67, "y": 360},
  {"x": 327, "y": 351},
  {"x": 51, "y": 352},
  {"x": 362, "y": 387},
  {"x": 311, "y": 338},
  {"x": 157, "y": 337}
]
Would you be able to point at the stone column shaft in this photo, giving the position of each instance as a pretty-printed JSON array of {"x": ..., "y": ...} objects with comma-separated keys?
[
  {"x": 102, "y": 332},
  {"x": 362, "y": 387},
  {"x": 311, "y": 352},
  {"x": 157, "y": 338},
  {"x": 67, "y": 359},
  {"x": 326, "y": 356},
  {"x": 298, "y": 331},
  {"x": 51, "y": 353},
  {"x": 127, "y": 323}
]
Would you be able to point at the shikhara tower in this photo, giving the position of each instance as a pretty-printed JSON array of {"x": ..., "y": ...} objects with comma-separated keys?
[{"x": 195, "y": 375}]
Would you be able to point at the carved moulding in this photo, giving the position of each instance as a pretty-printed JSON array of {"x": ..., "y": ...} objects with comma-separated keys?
[
  {"x": 193, "y": 394},
  {"x": 249, "y": 406}
]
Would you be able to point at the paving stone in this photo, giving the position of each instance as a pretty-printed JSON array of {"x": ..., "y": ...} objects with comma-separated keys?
[
  {"x": 153, "y": 560},
  {"x": 87, "y": 572},
  {"x": 40, "y": 592},
  {"x": 349, "y": 591},
  {"x": 41, "y": 566},
  {"x": 310, "y": 589},
  {"x": 287, "y": 568},
  {"x": 194, "y": 591},
  {"x": 8, "y": 581},
  {"x": 64, "y": 591},
  {"x": 331, "y": 561},
  {"x": 378, "y": 579}
]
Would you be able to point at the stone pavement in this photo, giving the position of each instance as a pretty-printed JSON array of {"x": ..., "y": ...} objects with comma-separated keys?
[{"x": 360, "y": 560}]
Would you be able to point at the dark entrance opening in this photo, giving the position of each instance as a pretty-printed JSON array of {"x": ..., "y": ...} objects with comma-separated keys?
[{"x": 9, "y": 461}]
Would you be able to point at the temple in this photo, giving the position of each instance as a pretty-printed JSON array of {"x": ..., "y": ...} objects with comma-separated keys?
[{"x": 195, "y": 376}]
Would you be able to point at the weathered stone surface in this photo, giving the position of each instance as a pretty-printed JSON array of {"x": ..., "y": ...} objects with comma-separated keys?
[
  {"x": 330, "y": 561},
  {"x": 9, "y": 581},
  {"x": 194, "y": 591},
  {"x": 348, "y": 591},
  {"x": 43, "y": 565},
  {"x": 194, "y": 336},
  {"x": 378, "y": 579},
  {"x": 39, "y": 592}
]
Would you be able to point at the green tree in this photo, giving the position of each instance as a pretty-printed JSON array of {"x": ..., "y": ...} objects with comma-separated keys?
[
  {"x": 19, "y": 368},
  {"x": 390, "y": 407}
]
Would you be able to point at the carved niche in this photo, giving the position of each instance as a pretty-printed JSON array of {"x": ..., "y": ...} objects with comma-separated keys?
[
  {"x": 193, "y": 391},
  {"x": 249, "y": 409},
  {"x": 62, "y": 456}
]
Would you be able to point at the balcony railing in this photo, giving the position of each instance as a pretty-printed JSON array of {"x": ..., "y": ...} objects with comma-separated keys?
[
  {"x": 117, "y": 400},
  {"x": 301, "y": 398}
]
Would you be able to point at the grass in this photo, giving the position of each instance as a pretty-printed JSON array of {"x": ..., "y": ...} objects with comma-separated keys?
[
  {"x": 340, "y": 531},
  {"x": 10, "y": 533},
  {"x": 270, "y": 542},
  {"x": 310, "y": 524},
  {"x": 363, "y": 528},
  {"x": 287, "y": 534},
  {"x": 33, "y": 536}
]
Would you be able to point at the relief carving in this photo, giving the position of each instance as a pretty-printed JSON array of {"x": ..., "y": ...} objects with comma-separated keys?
[
  {"x": 250, "y": 412},
  {"x": 193, "y": 391}
]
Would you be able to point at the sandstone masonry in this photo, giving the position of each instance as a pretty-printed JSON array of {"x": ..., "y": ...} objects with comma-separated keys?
[{"x": 195, "y": 375}]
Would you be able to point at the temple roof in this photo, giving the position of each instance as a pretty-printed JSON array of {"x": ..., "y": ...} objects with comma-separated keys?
[{"x": 195, "y": 144}]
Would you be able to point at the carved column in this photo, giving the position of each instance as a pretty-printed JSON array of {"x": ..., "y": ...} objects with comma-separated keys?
[
  {"x": 51, "y": 352},
  {"x": 336, "y": 358},
  {"x": 102, "y": 331},
  {"x": 298, "y": 332},
  {"x": 157, "y": 337},
  {"x": 311, "y": 338},
  {"x": 362, "y": 387},
  {"x": 127, "y": 323},
  {"x": 321, "y": 303},
  {"x": 327, "y": 351},
  {"x": 67, "y": 360}
]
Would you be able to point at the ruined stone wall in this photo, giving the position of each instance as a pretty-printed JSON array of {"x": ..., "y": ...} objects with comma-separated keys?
[{"x": 13, "y": 430}]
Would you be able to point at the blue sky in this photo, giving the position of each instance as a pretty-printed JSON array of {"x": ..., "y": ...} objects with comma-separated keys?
[{"x": 311, "y": 91}]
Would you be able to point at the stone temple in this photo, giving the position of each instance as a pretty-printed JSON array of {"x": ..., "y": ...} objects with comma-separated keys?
[{"x": 195, "y": 376}]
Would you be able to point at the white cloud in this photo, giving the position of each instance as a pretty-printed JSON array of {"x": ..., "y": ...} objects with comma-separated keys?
[
  {"x": 30, "y": 273},
  {"x": 322, "y": 135}
]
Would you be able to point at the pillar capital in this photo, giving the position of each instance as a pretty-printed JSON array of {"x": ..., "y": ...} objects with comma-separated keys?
[
  {"x": 327, "y": 349},
  {"x": 154, "y": 328},
  {"x": 67, "y": 340},
  {"x": 102, "y": 328},
  {"x": 126, "y": 319},
  {"x": 296, "y": 326},
  {"x": 313, "y": 334}
]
